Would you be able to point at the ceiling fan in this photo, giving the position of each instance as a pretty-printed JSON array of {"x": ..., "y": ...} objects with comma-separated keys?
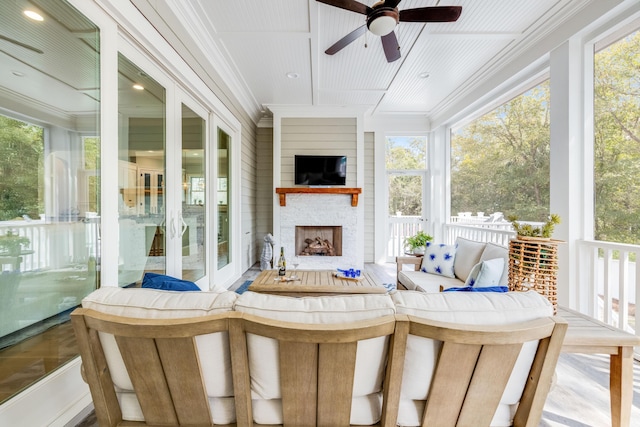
[{"x": 382, "y": 19}]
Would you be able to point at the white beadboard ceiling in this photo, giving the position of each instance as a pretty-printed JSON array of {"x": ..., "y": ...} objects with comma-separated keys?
[
  {"x": 255, "y": 44},
  {"x": 262, "y": 41}
]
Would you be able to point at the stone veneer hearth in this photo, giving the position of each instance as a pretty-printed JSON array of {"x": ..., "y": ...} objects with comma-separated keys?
[{"x": 320, "y": 210}]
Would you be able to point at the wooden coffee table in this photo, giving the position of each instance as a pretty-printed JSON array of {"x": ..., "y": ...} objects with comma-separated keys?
[{"x": 315, "y": 283}]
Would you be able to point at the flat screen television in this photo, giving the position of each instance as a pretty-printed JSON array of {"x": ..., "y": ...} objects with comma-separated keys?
[{"x": 320, "y": 170}]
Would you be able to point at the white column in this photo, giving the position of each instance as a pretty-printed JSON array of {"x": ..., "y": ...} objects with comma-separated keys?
[{"x": 571, "y": 175}]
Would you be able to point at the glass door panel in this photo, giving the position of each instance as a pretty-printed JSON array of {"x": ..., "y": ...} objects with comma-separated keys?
[
  {"x": 142, "y": 124},
  {"x": 194, "y": 195},
  {"x": 223, "y": 198},
  {"x": 405, "y": 209}
]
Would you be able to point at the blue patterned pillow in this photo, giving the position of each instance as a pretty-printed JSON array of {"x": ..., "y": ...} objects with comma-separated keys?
[{"x": 438, "y": 259}]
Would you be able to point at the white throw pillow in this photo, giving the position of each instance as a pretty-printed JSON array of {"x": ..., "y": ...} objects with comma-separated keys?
[
  {"x": 439, "y": 259},
  {"x": 468, "y": 254},
  {"x": 486, "y": 273}
]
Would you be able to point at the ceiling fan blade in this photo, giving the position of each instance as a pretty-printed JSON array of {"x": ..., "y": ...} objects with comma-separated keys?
[
  {"x": 431, "y": 14},
  {"x": 346, "y": 40},
  {"x": 391, "y": 47},
  {"x": 351, "y": 5},
  {"x": 391, "y": 3}
]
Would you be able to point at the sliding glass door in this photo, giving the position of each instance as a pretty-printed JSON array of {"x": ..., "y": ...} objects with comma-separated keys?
[
  {"x": 193, "y": 200},
  {"x": 141, "y": 173}
]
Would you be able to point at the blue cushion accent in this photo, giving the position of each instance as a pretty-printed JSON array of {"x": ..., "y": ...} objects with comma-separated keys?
[
  {"x": 484, "y": 289},
  {"x": 167, "y": 283}
]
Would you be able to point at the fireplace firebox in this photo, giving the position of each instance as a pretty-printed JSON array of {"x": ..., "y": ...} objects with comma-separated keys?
[{"x": 318, "y": 240}]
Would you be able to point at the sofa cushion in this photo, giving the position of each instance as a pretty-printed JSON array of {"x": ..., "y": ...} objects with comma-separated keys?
[
  {"x": 467, "y": 255},
  {"x": 425, "y": 282},
  {"x": 439, "y": 259},
  {"x": 213, "y": 349},
  {"x": 466, "y": 308},
  {"x": 486, "y": 274},
  {"x": 263, "y": 352},
  {"x": 492, "y": 251}
]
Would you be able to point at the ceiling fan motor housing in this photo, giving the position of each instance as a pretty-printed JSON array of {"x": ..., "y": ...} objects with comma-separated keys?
[{"x": 382, "y": 20}]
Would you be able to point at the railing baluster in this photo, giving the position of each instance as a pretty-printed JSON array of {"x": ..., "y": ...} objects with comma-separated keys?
[{"x": 623, "y": 283}]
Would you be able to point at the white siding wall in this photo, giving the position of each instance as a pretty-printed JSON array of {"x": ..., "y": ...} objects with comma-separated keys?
[
  {"x": 368, "y": 194},
  {"x": 318, "y": 136},
  {"x": 264, "y": 174}
]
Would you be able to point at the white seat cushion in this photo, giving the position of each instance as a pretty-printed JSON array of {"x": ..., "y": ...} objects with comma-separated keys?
[
  {"x": 426, "y": 282},
  {"x": 213, "y": 349},
  {"x": 263, "y": 352}
]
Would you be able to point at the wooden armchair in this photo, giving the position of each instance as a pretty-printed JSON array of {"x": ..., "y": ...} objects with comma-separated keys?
[
  {"x": 162, "y": 362},
  {"x": 472, "y": 370},
  {"x": 316, "y": 367},
  {"x": 414, "y": 261}
]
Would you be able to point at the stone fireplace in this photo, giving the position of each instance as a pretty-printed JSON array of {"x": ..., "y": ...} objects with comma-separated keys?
[
  {"x": 331, "y": 217},
  {"x": 318, "y": 240}
]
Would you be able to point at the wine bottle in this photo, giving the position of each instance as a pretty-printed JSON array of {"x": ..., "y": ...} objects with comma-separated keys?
[{"x": 282, "y": 263}]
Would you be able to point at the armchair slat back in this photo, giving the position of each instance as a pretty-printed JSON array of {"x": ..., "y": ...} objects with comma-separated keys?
[
  {"x": 473, "y": 368},
  {"x": 162, "y": 362},
  {"x": 316, "y": 363}
]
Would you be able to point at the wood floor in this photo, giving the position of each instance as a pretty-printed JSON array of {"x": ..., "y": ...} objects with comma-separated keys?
[{"x": 579, "y": 398}]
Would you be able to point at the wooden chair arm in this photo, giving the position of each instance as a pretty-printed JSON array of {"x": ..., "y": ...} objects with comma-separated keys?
[{"x": 408, "y": 260}]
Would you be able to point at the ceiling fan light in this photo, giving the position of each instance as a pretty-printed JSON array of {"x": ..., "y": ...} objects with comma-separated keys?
[{"x": 382, "y": 25}]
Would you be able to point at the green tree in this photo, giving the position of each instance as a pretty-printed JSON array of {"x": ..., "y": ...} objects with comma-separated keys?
[
  {"x": 405, "y": 191},
  {"x": 21, "y": 167},
  {"x": 617, "y": 141},
  {"x": 500, "y": 162}
]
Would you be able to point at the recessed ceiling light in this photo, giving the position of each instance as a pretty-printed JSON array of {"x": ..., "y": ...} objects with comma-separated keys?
[
  {"x": 424, "y": 75},
  {"x": 33, "y": 15},
  {"x": 17, "y": 73},
  {"x": 293, "y": 75},
  {"x": 138, "y": 87}
]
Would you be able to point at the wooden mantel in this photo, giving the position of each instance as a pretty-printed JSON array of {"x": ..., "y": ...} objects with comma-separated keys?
[{"x": 319, "y": 190}]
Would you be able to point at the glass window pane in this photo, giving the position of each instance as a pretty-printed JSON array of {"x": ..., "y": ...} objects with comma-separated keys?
[
  {"x": 500, "y": 161},
  {"x": 141, "y": 108},
  {"x": 406, "y": 152},
  {"x": 617, "y": 137},
  {"x": 49, "y": 185},
  {"x": 223, "y": 193},
  {"x": 193, "y": 198}
]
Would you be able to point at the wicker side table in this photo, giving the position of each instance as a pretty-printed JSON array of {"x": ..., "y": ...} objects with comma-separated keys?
[{"x": 533, "y": 265}]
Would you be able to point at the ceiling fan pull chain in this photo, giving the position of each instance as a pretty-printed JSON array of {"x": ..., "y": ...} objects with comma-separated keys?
[{"x": 366, "y": 36}]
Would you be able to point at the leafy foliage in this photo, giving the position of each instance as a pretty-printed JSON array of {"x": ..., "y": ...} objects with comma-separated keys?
[
  {"x": 500, "y": 162},
  {"x": 12, "y": 244},
  {"x": 419, "y": 240},
  {"x": 21, "y": 168},
  {"x": 405, "y": 191},
  {"x": 617, "y": 141},
  {"x": 528, "y": 230}
]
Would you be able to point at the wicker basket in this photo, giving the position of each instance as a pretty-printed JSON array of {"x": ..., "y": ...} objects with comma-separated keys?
[{"x": 533, "y": 265}]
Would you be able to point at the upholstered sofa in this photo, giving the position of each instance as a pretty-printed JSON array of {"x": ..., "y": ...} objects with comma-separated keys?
[
  {"x": 392, "y": 374},
  {"x": 465, "y": 257}
]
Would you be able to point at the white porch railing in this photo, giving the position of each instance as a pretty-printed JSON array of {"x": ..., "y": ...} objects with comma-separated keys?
[
  {"x": 486, "y": 232},
  {"x": 55, "y": 245},
  {"x": 401, "y": 227},
  {"x": 609, "y": 282}
]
